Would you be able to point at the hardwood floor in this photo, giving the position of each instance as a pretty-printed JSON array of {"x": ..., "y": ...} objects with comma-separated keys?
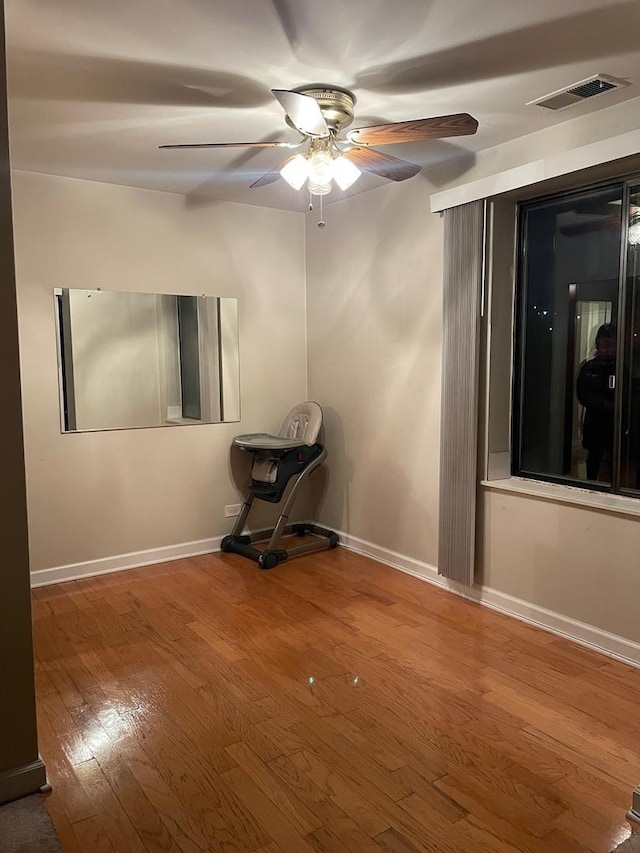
[{"x": 332, "y": 704}]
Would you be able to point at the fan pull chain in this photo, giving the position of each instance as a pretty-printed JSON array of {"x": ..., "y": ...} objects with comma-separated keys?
[{"x": 321, "y": 222}]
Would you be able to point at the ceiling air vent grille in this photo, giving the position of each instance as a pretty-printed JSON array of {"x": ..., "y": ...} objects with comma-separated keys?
[
  {"x": 594, "y": 87},
  {"x": 578, "y": 92}
]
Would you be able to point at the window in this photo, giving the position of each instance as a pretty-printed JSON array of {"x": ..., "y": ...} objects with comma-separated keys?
[{"x": 577, "y": 378}]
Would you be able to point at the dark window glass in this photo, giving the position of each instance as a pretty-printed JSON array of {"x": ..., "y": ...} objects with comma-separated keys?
[{"x": 569, "y": 282}]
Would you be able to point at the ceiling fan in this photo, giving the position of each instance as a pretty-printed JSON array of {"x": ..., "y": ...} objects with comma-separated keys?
[{"x": 320, "y": 114}]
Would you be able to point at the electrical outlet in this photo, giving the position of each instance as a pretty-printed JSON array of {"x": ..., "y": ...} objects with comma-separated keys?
[{"x": 231, "y": 510}]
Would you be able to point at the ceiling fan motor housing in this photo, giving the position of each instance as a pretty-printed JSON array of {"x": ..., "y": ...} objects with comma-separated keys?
[{"x": 336, "y": 105}]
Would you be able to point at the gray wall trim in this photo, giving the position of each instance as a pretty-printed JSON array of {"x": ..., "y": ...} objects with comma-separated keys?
[
  {"x": 464, "y": 229},
  {"x": 21, "y": 781}
]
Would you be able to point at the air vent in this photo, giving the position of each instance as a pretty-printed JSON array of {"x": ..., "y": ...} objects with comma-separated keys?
[{"x": 578, "y": 92}]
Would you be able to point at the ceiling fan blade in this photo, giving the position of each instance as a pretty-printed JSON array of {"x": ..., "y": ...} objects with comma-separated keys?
[
  {"x": 370, "y": 160},
  {"x": 235, "y": 145},
  {"x": 419, "y": 130},
  {"x": 271, "y": 176},
  {"x": 304, "y": 112}
]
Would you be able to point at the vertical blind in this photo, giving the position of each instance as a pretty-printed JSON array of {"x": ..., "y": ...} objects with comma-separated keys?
[{"x": 464, "y": 228}]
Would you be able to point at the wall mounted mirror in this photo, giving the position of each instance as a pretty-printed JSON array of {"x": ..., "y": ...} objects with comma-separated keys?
[{"x": 128, "y": 360}]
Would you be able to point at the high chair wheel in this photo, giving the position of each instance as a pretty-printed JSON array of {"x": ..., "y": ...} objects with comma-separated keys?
[{"x": 268, "y": 560}]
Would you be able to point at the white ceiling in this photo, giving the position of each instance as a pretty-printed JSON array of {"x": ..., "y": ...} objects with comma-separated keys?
[{"x": 96, "y": 85}]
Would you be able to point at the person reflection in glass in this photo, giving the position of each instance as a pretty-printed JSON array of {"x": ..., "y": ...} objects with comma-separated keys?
[{"x": 596, "y": 393}]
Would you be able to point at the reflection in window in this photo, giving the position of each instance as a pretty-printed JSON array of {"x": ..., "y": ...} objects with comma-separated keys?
[
  {"x": 569, "y": 274},
  {"x": 577, "y": 400},
  {"x": 595, "y": 389}
]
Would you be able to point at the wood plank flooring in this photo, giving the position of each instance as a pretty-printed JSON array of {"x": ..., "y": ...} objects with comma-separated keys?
[{"x": 332, "y": 704}]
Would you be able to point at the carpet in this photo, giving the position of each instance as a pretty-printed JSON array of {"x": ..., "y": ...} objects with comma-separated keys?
[
  {"x": 631, "y": 845},
  {"x": 25, "y": 827}
]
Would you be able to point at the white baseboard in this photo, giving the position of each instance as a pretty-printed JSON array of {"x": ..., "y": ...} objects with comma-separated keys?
[
  {"x": 563, "y": 626},
  {"x": 579, "y": 632},
  {"x": 106, "y": 565}
]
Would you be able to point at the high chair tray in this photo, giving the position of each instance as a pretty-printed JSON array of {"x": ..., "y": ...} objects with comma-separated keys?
[{"x": 264, "y": 441}]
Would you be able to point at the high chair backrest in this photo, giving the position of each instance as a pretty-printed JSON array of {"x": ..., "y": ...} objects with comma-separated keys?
[{"x": 303, "y": 423}]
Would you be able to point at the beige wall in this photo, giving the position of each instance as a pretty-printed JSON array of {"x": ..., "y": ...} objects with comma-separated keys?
[
  {"x": 102, "y": 494},
  {"x": 577, "y": 561},
  {"x": 374, "y": 291}
]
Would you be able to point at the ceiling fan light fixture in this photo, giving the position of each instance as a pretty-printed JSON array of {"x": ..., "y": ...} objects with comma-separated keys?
[
  {"x": 345, "y": 172},
  {"x": 320, "y": 169},
  {"x": 296, "y": 171},
  {"x": 320, "y": 113}
]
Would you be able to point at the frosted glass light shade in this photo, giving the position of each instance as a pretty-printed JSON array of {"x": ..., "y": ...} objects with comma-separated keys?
[
  {"x": 320, "y": 169},
  {"x": 295, "y": 172},
  {"x": 345, "y": 172},
  {"x": 319, "y": 189}
]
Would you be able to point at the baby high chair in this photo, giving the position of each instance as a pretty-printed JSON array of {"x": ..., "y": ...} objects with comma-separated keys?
[{"x": 290, "y": 456}]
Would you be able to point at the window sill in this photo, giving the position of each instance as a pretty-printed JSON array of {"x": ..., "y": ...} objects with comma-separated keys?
[{"x": 556, "y": 493}]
